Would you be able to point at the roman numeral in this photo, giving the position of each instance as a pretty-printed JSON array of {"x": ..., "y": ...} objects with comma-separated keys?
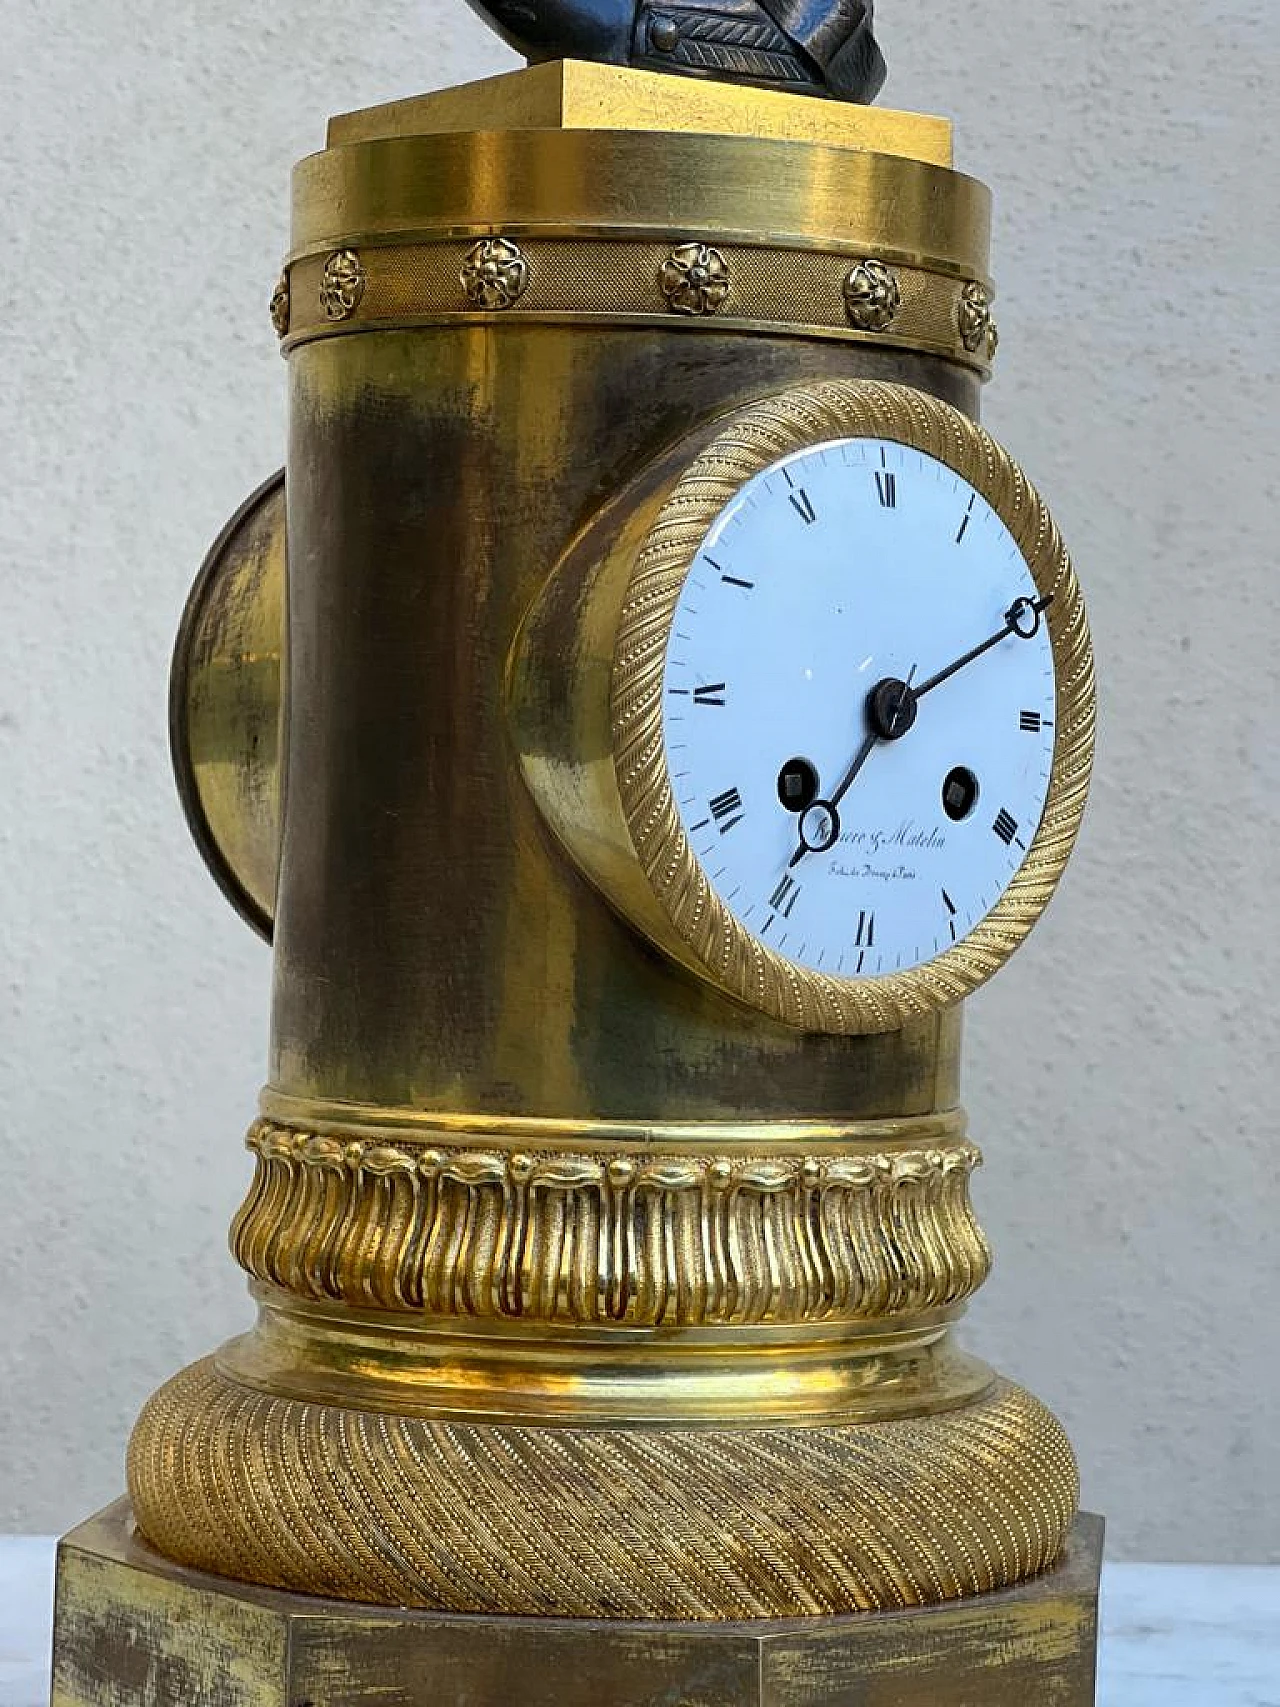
[
  {"x": 1029, "y": 721},
  {"x": 865, "y": 938},
  {"x": 712, "y": 693},
  {"x": 887, "y": 490},
  {"x": 726, "y": 809},
  {"x": 950, "y": 905},
  {"x": 729, "y": 580},
  {"x": 785, "y": 896},
  {"x": 964, "y": 524},
  {"x": 800, "y": 499},
  {"x": 1005, "y": 826}
]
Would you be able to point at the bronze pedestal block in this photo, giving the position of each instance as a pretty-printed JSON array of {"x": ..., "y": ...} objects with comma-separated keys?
[{"x": 135, "y": 1630}]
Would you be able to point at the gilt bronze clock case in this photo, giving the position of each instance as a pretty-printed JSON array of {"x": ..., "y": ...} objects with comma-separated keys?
[{"x": 587, "y": 1289}]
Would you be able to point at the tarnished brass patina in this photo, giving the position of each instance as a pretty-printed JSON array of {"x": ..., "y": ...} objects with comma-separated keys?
[
  {"x": 585, "y": 1290},
  {"x": 226, "y": 704},
  {"x": 136, "y": 1630}
]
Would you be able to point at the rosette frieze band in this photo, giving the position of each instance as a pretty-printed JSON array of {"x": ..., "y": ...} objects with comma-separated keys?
[
  {"x": 599, "y": 277},
  {"x": 605, "y": 1232},
  {"x": 635, "y": 227}
]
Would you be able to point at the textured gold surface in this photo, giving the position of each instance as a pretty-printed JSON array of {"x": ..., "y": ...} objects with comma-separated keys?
[
  {"x": 800, "y": 291},
  {"x": 575, "y": 94},
  {"x": 136, "y": 1630},
  {"x": 722, "y": 946},
  {"x": 580, "y": 1522},
  {"x": 731, "y": 1229}
]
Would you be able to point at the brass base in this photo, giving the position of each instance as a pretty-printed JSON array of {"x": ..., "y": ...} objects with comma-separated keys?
[
  {"x": 133, "y": 1629},
  {"x": 503, "y": 1519}
]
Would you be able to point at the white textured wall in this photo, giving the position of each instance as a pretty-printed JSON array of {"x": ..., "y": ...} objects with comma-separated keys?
[{"x": 1120, "y": 1074}]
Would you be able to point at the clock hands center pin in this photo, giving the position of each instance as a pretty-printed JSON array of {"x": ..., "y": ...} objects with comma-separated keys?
[{"x": 891, "y": 708}]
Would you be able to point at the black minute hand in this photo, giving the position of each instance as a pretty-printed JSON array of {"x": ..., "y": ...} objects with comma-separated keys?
[{"x": 1022, "y": 618}]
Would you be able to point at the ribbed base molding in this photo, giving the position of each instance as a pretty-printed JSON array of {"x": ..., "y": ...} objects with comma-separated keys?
[{"x": 608, "y": 1522}]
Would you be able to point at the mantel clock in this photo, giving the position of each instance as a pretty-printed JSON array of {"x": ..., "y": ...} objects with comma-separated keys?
[
  {"x": 645, "y": 707},
  {"x": 841, "y": 677}
]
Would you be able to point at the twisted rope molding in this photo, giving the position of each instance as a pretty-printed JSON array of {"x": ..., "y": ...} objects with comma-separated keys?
[
  {"x": 675, "y": 1523},
  {"x": 611, "y": 1237}
]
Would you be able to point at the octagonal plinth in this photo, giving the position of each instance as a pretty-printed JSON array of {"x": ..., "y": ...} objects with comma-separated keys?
[{"x": 133, "y": 1630}]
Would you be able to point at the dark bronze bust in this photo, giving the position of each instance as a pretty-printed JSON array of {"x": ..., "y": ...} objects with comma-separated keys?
[{"x": 812, "y": 47}]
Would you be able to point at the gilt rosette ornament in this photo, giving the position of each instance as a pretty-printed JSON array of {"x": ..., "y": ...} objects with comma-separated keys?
[
  {"x": 977, "y": 328},
  {"x": 495, "y": 273},
  {"x": 872, "y": 296},
  {"x": 695, "y": 279},
  {"x": 280, "y": 306},
  {"x": 342, "y": 286}
]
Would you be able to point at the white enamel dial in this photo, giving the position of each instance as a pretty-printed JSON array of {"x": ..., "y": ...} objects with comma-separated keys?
[{"x": 845, "y": 566}]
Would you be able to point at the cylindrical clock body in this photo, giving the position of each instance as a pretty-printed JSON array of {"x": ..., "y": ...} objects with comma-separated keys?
[
  {"x": 585, "y": 1288},
  {"x": 433, "y": 948}
]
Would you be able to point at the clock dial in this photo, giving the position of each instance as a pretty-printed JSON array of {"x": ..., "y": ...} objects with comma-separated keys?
[
  {"x": 858, "y": 707},
  {"x": 851, "y": 708}
]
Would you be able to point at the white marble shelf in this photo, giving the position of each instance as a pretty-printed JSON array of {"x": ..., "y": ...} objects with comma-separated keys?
[{"x": 1172, "y": 1635}]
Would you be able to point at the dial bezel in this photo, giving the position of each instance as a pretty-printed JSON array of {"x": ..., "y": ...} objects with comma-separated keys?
[{"x": 722, "y": 948}]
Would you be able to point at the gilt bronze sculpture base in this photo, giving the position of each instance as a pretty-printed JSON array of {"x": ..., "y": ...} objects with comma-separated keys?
[
  {"x": 135, "y": 1629},
  {"x": 606, "y": 1263}
]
